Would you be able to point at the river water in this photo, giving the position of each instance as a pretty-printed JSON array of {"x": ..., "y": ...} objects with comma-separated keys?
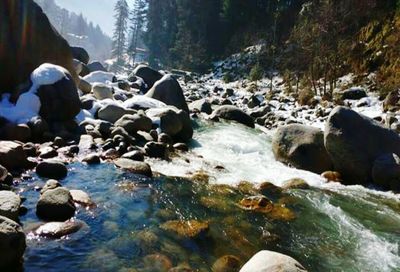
[{"x": 336, "y": 227}]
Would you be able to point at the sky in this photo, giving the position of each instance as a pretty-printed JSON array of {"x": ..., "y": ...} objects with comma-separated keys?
[{"x": 100, "y": 12}]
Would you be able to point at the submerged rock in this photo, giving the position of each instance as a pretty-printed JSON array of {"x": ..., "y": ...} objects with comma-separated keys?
[
  {"x": 354, "y": 142},
  {"x": 233, "y": 113},
  {"x": 295, "y": 183},
  {"x": 188, "y": 229},
  {"x": 135, "y": 167},
  {"x": 157, "y": 263},
  {"x": 56, "y": 230},
  {"x": 332, "y": 176},
  {"x": 302, "y": 147},
  {"x": 55, "y": 205},
  {"x": 228, "y": 263},
  {"x": 269, "y": 261},
  {"x": 12, "y": 244}
]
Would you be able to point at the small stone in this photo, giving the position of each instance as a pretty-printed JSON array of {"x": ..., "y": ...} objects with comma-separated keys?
[
  {"x": 92, "y": 159},
  {"x": 50, "y": 184},
  {"x": 81, "y": 197},
  {"x": 56, "y": 230},
  {"x": 135, "y": 167},
  {"x": 52, "y": 169}
]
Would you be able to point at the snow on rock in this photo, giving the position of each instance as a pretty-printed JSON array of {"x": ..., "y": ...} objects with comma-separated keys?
[
  {"x": 28, "y": 104},
  {"x": 47, "y": 74},
  {"x": 143, "y": 102},
  {"x": 99, "y": 77}
]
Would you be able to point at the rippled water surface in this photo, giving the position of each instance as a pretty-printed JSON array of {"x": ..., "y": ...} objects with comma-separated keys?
[{"x": 336, "y": 228}]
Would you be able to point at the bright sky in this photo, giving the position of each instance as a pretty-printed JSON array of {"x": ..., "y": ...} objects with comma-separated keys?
[{"x": 100, "y": 12}]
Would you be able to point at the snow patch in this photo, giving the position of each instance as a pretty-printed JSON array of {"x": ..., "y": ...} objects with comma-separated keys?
[
  {"x": 47, "y": 74},
  {"x": 99, "y": 77},
  {"x": 143, "y": 102}
]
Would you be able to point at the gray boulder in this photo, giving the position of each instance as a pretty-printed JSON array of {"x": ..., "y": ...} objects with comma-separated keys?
[
  {"x": 133, "y": 123},
  {"x": 302, "y": 147},
  {"x": 168, "y": 90},
  {"x": 176, "y": 123},
  {"x": 354, "y": 93},
  {"x": 386, "y": 172},
  {"x": 233, "y": 113},
  {"x": 9, "y": 205},
  {"x": 95, "y": 67},
  {"x": 52, "y": 169},
  {"x": 12, "y": 155},
  {"x": 269, "y": 261},
  {"x": 102, "y": 91},
  {"x": 149, "y": 75},
  {"x": 135, "y": 167},
  {"x": 111, "y": 113},
  {"x": 55, "y": 205},
  {"x": 80, "y": 54},
  {"x": 354, "y": 142},
  {"x": 12, "y": 244},
  {"x": 202, "y": 105}
]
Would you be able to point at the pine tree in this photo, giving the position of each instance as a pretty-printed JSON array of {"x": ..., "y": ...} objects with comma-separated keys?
[
  {"x": 119, "y": 37},
  {"x": 138, "y": 17}
]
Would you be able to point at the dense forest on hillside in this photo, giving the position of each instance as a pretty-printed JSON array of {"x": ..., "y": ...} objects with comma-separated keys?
[
  {"x": 307, "y": 39},
  {"x": 77, "y": 30}
]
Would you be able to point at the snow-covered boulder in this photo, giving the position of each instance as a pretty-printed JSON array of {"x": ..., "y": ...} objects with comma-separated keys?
[
  {"x": 269, "y": 261},
  {"x": 40, "y": 43},
  {"x": 100, "y": 77},
  {"x": 149, "y": 75}
]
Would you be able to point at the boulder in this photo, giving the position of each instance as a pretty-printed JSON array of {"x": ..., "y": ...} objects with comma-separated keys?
[
  {"x": 9, "y": 205},
  {"x": 135, "y": 155},
  {"x": 135, "y": 167},
  {"x": 156, "y": 150},
  {"x": 12, "y": 244},
  {"x": 80, "y": 54},
  {"x": 52, "y": 169},
  {"x": 96, "y": 66},
  {"x": 202, "y": 105},
  {"x": 302, "y": 147},
  {"x": 391, "y": 102},
  {"x": 50, "y": 184},
  {"x": 28, "y": 43},
  {"x": 149, "y": 75},
  {"x": 133, "y": 123},
  {"x": 354, "y": 142},
  {"x": 140, "y": 102},
  {"x": 102, "y": 91},
  {"x": 12, "y": 155},
  {"x": 111, "y": 113},
  {"x": 15, "y": 132},
  {"x": 168, "y": 90},
  {"x": 58, "y": 97},
  {"x": 81, "y": 198},
  {"x": 55, "y": 205},
  {"x": 354, "y": 93},
  {"x": 3, "y": 174},
  {"x": 233, "y": 113},
  {"x": 85, "y": 86},
  {"x": 176, "y": 123},
  {"x": 386, "y": 171},
  {"x": 269, "y": 261}
]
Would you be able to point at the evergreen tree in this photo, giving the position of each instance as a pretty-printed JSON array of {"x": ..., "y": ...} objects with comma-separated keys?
[
  {"x": 137, "y": 23},
  {"x": 121, "y": 23}
]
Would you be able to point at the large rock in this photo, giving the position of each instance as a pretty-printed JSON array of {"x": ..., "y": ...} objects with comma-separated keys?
[
  {"x": 233, "y": 113},
  {"x": 354, "y": 93},
  {"x": 354, "y": 142},
  {"x": 135, "y": 167},
  {"x": 80, "y": 54},
  {"x": 168, "y": 90},
  {"x": 386, "y": 172},
  {"x": 149, "y": 75},
  {"x": 12, "y": 155},
  {"x": 111, "y": 113},
  {"x": 52, "y": 169},
  {"x": 302, "y": 147},
  {"x": 202, "y": 105},
  {"x": 59, "y": 100},
  {"x": 96, "y": 66},
  {"x": 56, "y": 230},
  {"x": 12, "y": 244},
  {"x": 269, "y": 261},
  {"x": 27, "y": 43},
  {"x": 176, "y": 123},
  {"x": 102, "y": 91},
  {"x": 9, "y": 205},
  {"x": 55, "y": 205},
  {"x": 133, "y": 123}
]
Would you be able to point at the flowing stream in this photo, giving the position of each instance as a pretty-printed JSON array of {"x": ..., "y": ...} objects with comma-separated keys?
[{"x": 336, "y": 228}]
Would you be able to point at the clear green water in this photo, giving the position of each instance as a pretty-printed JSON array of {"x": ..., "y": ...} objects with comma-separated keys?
[{"x": 336, "y": 228}]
